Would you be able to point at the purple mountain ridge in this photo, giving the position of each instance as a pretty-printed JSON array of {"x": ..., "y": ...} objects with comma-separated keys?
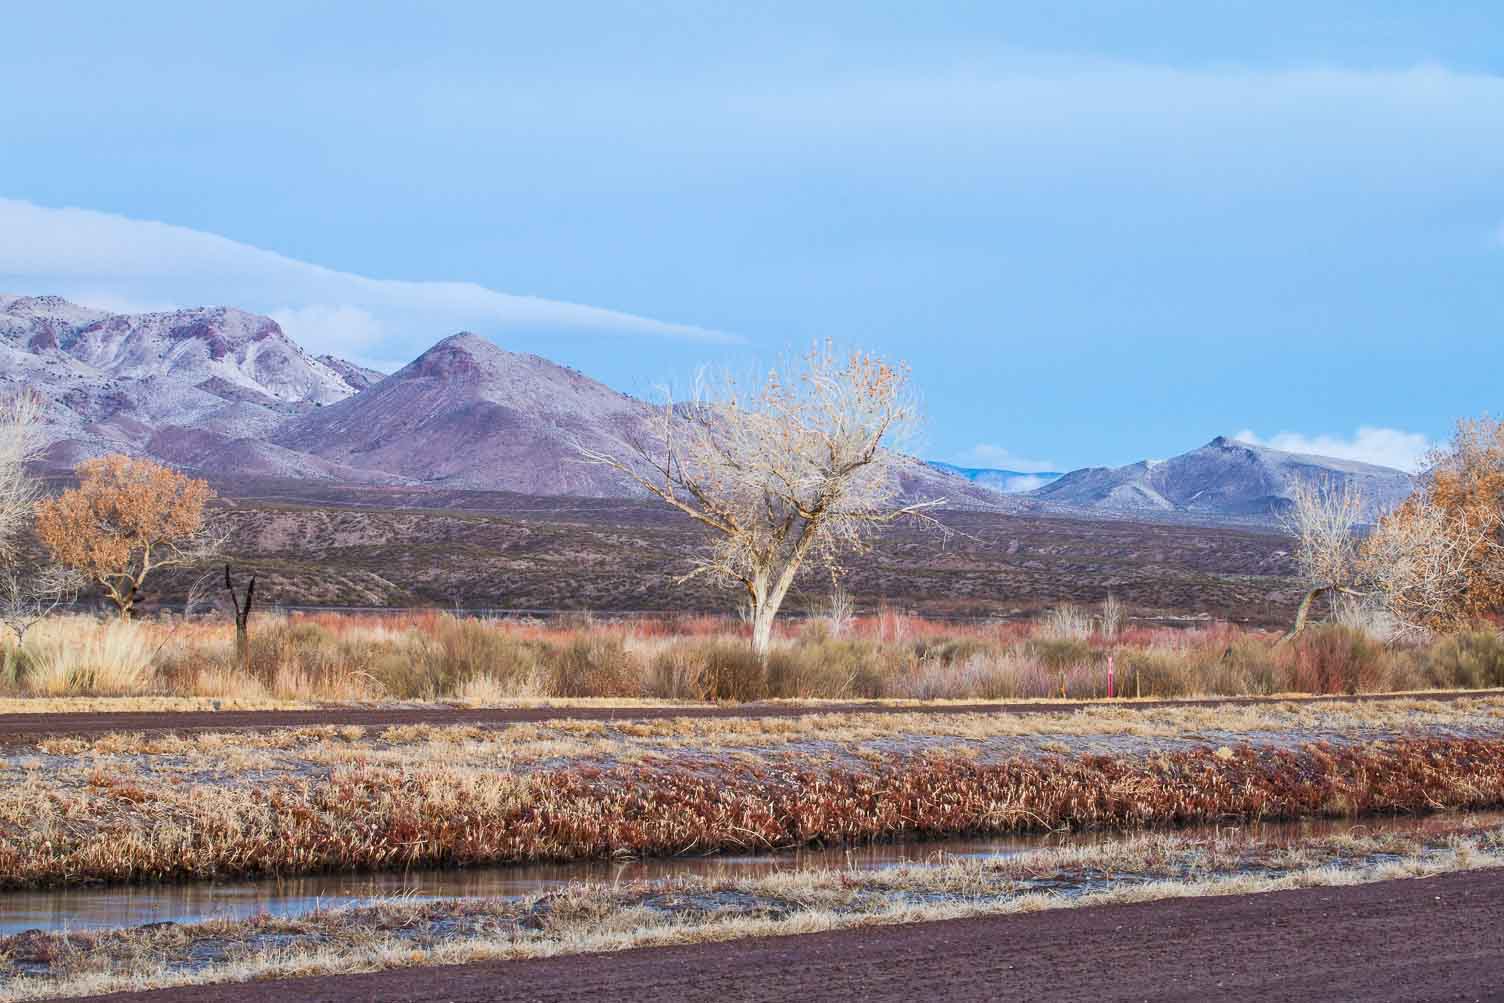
[
  {"x": 228, "y": 394},
  {"x": 222, "y": 392}
]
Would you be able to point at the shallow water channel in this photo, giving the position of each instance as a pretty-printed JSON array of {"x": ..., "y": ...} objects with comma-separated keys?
[{"x": 131, "y": 906}]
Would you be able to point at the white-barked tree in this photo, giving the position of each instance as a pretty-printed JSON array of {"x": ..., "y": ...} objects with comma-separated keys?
[{"x": 799, "y": 470}]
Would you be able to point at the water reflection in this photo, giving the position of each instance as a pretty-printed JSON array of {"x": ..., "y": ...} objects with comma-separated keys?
[{"x": 95, "y": 908}]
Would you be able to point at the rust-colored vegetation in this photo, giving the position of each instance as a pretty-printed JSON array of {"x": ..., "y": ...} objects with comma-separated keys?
[{"x": 370, "y": 818}]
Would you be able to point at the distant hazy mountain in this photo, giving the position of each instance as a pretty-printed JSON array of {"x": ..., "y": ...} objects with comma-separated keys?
[
  {"x": 1224, "y": 478},
  {"x": 1006, "y": 481},
  {"x": 224, "y": 392}
]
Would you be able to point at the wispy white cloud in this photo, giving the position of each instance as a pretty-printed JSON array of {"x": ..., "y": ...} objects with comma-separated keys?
[
  {"x": 995, "y": 457},
  {"x": 1388, "y": 447},
  {"x": 350, "y": 326},
  {"x": 114, "y": 261},
  {"x": 1027, "y": 482}
]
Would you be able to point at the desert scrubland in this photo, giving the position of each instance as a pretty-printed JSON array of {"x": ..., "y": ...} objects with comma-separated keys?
[{"x": 440, "y": 657}]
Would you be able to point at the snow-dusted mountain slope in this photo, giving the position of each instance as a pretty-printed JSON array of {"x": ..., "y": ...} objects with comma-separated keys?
[
  {"x": 225, "y": 392},
  {"x": 1225, "y": 477}
]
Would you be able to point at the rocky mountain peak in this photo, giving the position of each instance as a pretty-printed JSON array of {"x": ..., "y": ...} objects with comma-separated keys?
[
  {"x": 460, "y": 356},
  {"x": 1226, "y": 478}
]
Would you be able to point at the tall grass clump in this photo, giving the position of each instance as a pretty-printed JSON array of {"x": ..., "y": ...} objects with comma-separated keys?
[
  {"x": 456, "y": 656},
  {"x": 1157, "y": 672},
  {"x": 716, "y": 669},
  {"x": 834, "y": 668},
  {"x": 979, "y": 675},
  {"x": 303, "y": 659},
  {"x": 593, "y": 665},
  {"x": 77, "y": 656}
]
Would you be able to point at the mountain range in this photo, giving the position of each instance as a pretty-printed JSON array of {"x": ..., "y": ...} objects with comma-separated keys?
[{"x": 227, "y": 394}]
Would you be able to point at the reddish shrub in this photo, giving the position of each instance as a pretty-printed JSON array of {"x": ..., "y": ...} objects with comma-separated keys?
[{"x": 1335, "y": 659}]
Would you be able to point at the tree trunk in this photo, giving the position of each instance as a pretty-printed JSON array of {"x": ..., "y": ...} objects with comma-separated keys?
[
  {"x": 762, "y": 627},
  {"x": 765, "y": 602},
  {"x": 1304, "y": 612},
  {"x": 242, "y": 618}
]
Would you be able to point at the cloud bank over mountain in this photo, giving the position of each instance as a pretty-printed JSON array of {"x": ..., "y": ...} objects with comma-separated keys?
[
  {"x": 986, "y": 454},
  {"x": 120, "y": 264},
  {"x": 1386, "y": 447}
]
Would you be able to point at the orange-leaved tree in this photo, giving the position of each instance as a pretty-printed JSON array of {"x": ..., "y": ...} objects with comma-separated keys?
[
  {"x": 1438, "y": 559},
  {"x": 127, "y": 518}
]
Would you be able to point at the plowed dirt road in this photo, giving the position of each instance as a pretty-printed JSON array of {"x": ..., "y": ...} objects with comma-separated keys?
[
  {"x": 1413, "y": 941},
  {"x": 20, "y": 729}
]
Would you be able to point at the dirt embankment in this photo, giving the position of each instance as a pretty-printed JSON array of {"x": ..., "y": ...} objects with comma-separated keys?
[{"x": 1414, "y": 940}]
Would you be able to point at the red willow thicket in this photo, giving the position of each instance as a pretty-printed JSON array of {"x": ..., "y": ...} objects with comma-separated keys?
[{"x": 369, "y": 818}]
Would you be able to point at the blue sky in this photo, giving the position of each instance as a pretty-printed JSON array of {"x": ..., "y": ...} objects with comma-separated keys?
[{"x": 1098, "y": 232}]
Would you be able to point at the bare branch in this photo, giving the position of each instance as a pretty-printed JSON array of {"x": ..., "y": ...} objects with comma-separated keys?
[{"x": 27, "y": 597}]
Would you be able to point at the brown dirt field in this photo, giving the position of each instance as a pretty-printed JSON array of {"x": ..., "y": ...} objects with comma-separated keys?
[
  {"x": 1413, "y": 940},
  {"x": 24, "y": 729}
]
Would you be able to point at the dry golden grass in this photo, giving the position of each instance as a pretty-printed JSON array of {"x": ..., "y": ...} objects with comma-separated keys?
[{"x": 140, "y": 705}]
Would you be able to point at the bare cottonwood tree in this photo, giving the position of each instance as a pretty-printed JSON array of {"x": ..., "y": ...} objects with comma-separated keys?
[
  {"x": 20, "y": 442},
  {"x": 1433, "y": 563},
  {"x": 1419, "y": 563},
  {"x": 1324, "y": 519},
  {"x": 801, "y": 468},
  {"x": 30, "y": 595},
  {"x": 840, "y": 610}
]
